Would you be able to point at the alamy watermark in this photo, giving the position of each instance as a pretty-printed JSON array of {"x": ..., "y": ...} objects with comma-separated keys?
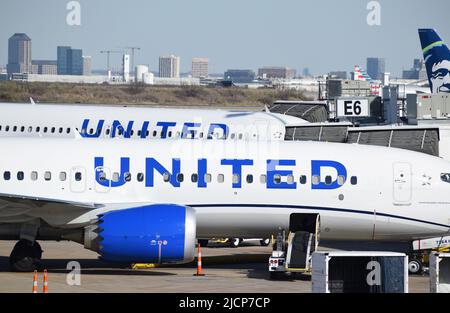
[
  {"x": 73, "y": 17},
  {"x": 73, "y": 278},
  {"x": 374, "y": 15}
]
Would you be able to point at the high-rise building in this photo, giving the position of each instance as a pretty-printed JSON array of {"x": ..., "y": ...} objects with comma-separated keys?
[
  {"x": 376, "y": 68},
  {"x": 276, "y": 72},
  {"x": 70, "y": 61},
  {"x": 199, "y": 67},
  {"x": 418, "y": 71},
  {"x": 87, "y": 65},
  {"x": 338, "y": 74},
  {"x": 169, "y": 66},
  {"x": 19, "y": 54},
  {"x": 240, "y": 76},
  {"x": 44, "y": 67}
]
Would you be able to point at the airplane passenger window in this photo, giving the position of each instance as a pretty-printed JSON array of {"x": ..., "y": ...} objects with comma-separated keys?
[
  {"x": 200, "y": 135},
  {"x": 166, "y": 176},
  {"x": 0, "y": 127},
  {"x": 38, "y": 129},
  {"x": 7, "y": 175},
  {"x": 240, "y": 136},
  {"x": 47, "y": 176},
  {"x": 315, "y": 180},
  {"x": 78, "y": 176},
  {"x": 45, "y": 129},
  {"x": 178, "y": 135},
  {"x": 20, "y": 175},
  {"x": 445, "y": 177},
  {"x": 170, "y": 134},
  {"x": 140, "y": 177},
  {"x": 147, "y": 133},
  {"x": 341, "y": 180},
  {"x": 263, "y": 179},
  {"x": 290, "y": 179},
  {"x": 62, "y": 176},
  {"x": 139, "y": 133},
  {"x": 277, "y": 178},
  {"x": 102, "y": 176},
  {"x": 155, "y": 133},
  {"x": 328, "y": 180},
  {"x": 107, "y": 131},
  {"x": 354, "y": 180},
  {"x": 53, "y": 130},
  {"x": 68, "y": 130},
  {"x": 208, "y": 178},
  {"x": 7, "y": 128},
  {"x": 14, "y": 128},
  {"x": 163, "y": 134},
  {"x": 131, "y": 132},
  {"x": 194, "y": 178},
  {"x": 115, "y": 177},
  {"x": 249, "y": 178},
  {"x": 180, "y": 177},
  {"x": 22, "y": 129},
  {"x": 236, "y": 178},
  {"x": 34, "y": 175},
  {"x": 127, "y": 176},
  {"x": 232, "y": 136},
  {"x": 30, "y": 129},
  {"x": 220, "y": 178},
  {"x": 60, "y": 130},
  {"x": 303, "y": 179}
]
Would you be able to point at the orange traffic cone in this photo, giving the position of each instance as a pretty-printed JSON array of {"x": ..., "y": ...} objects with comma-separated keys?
[
  {"x": 35, "y": 279},
  {"x": 199, "y": 262},
  {"x": 45, "y": 289}
]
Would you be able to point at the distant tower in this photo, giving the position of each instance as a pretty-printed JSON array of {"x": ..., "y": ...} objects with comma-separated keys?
[
  {"x": 199, "y": 67},
  {"x": 169, "y": 66},
  {"x": 126, "y": 67},
  {"x": 19, "y": 54},
  {"x": 376, "y": 67},
  {"x": 87, "y": 65}
]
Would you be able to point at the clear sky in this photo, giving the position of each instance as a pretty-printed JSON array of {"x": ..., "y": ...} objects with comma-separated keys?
[{"x": 323, "y": 35}]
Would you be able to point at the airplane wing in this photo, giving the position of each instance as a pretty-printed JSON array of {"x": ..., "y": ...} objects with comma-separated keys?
[{"x": 20, "y": 209}]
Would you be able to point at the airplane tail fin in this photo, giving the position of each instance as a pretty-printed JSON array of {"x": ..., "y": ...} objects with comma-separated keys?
[
  {"x": 361, "y": 74},
  {"x": 437, "y": 60}
]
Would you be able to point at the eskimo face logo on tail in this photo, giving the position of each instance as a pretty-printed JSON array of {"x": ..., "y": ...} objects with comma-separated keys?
[
  {"x": 440, "y": 77},
  {"x": 437, "y": 60}
]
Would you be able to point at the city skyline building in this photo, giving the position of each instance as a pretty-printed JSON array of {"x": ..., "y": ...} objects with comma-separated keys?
[
  {"x": 19, "y": 54},
  {"x": 44, "y": 67},
  {"x": 276, "y": 72},
  {"x": 376, "y": 67},
  {"x": 69, "y": 61},
  {"x": 200, "y": 67},
  {"x": 169, "y": 66}
]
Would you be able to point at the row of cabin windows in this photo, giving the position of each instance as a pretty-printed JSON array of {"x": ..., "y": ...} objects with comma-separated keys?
[
  {"x": 120, "y": 132},
  {"x": 47, "y": 175},
  {"x": 180, "y": 178},
  {"x": 235, "y": 178},
  {"x": 29, "y": 129}
]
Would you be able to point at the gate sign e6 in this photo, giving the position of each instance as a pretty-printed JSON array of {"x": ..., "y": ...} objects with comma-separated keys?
[{"x": 353, "y": 107}]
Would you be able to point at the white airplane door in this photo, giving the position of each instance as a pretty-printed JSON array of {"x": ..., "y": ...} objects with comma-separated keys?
[
  {"x": 402, "y": 183},
  {"x": 259, "y": 130},
  {"x": 77, "y": 179}
]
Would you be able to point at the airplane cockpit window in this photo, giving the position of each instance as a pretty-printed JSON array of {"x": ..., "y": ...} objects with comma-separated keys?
[{"x": 445, "y": 177}]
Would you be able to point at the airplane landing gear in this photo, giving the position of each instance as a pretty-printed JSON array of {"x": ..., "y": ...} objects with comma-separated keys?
[{"x": 25, "y": 256}]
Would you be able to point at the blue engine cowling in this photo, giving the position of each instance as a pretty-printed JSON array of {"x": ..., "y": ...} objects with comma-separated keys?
[{"x": 162, "y": 233}]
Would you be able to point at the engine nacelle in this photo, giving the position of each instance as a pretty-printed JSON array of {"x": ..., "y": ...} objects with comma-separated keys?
[{"x": 160, "y": 233}]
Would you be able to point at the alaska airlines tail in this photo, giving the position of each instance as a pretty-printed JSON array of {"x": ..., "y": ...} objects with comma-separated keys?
[{"x": 437, "y": 60}]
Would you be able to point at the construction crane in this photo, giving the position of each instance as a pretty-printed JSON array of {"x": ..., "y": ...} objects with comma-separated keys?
[
  {"x": 132, "y": 55},
  {"x": 108, "y": 53}
]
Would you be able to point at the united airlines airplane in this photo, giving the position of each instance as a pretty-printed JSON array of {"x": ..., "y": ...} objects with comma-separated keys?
[
  {"x": 94, "y": 121},
  {"x": 148, "y": 201}
]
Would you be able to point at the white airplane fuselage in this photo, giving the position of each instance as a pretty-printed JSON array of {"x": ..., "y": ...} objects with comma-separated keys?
[{"x": 360, "y": 192}]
